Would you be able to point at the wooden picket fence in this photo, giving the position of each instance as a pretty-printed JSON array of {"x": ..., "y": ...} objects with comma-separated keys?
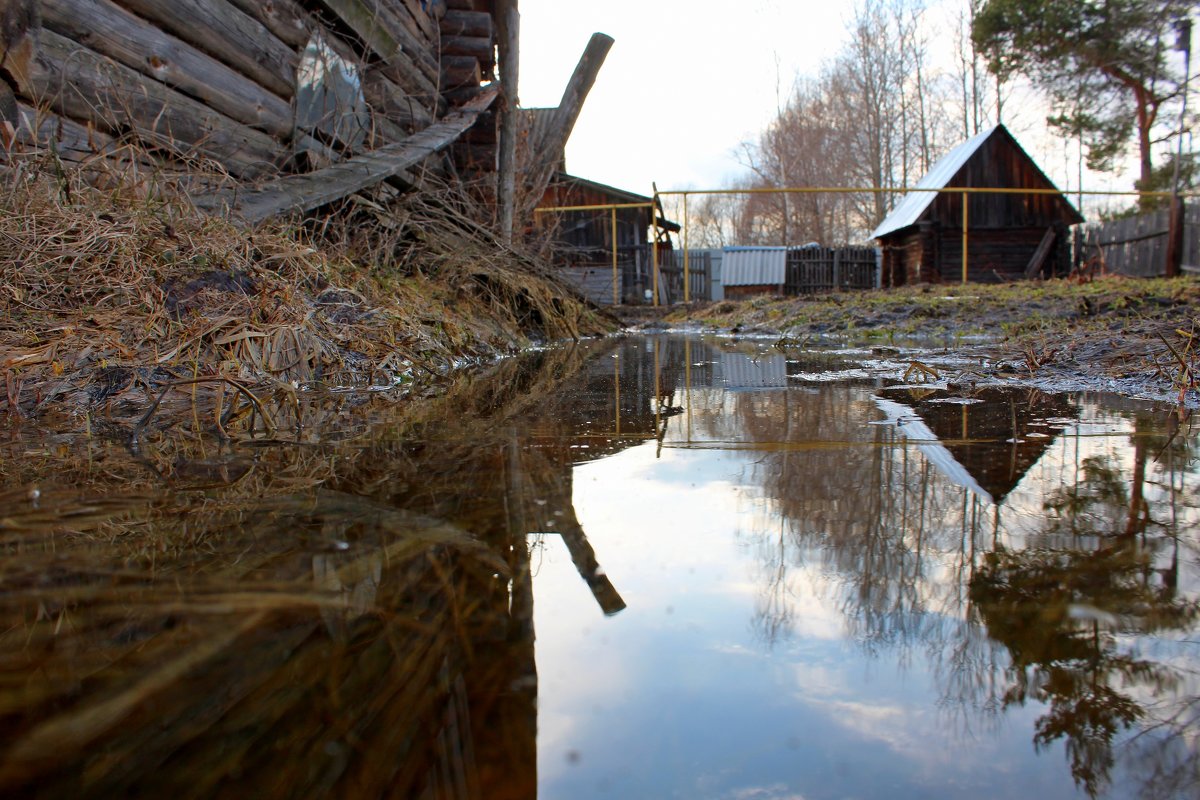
[
  {"x": 812, "y": 270},
  {"x": 1137, "y": 246}
]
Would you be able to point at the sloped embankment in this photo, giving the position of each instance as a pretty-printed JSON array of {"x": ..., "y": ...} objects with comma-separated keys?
[{"x": 113, "y": 299}]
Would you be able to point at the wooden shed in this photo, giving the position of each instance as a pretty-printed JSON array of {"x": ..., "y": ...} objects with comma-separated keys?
[
  {"x": 1009, "y": 235},
  {"x": 582, "y": 241},
  {"x": 298, "y": 102}
]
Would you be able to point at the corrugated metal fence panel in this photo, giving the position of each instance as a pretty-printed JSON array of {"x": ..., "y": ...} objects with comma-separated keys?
[
  {"x": 740, "y": 371},
  {"x": 753, "y": 266}
]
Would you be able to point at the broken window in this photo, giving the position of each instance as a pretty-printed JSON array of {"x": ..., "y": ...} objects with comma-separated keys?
[{"x": 329, "y": 97}]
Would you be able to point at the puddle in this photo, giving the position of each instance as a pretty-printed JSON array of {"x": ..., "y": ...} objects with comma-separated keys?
[{"x": 645, "y": 567}]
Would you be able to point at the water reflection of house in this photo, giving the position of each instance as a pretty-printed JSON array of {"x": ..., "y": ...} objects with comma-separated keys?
[
  {"x": 583, "y": 240},
  {"x": 987, "y": 441}
]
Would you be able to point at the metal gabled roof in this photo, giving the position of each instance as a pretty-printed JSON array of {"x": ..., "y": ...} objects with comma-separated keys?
[{"x": 939, "y": 176}]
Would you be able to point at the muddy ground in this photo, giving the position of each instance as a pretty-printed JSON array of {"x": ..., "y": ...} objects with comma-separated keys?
[{"x": 1135, "y": 337}]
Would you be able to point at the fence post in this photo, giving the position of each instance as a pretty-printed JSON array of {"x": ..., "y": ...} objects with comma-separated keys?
[
  {"x": 837, "y": 270},
  {"x": 1175, "y": 238}
]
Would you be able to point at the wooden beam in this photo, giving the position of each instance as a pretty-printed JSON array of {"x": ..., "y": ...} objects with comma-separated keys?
[
  {"x": 466, "y": 23},
  {"x": 81, "y": 84},
  {"x": 124, "y": 37},
  {"x": 477, "y": 47},
  {"x": 1039, "y": 255},
  {"x": 584, "y": 559},
  {"x": 294, "y": 193},
  {"x": 292, "y": 24},
  {"x": 509, "y": 56},
  {"x": 225, "y": 33},
  {"x": 546, "y": 161},
  {"x": 459, "y": 71},
  {"x": 72, "y": 141}
]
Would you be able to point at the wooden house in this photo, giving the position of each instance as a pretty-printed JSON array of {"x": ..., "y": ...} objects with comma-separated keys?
[
  {"x": 1009, "y": 235},
  {"x": 582, "y": 242}
]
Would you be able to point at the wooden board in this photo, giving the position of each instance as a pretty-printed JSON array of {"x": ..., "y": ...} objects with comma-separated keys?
[
  {"x": 1039, "y": 255},
  {"x": 304, "y": 192}
]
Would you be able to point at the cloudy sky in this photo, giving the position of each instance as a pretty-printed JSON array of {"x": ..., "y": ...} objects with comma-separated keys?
[{"x": 687, "y": 81}]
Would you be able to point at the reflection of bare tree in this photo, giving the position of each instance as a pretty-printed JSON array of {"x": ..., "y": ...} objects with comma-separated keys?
[
  {"x": 915, "y": 562},
  {"x": 1068, "y": 610},
  {"x": 1063, "y": 615}
]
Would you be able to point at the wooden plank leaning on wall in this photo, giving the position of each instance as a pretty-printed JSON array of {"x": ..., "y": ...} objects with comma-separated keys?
[{"x": 298, "y": 193}]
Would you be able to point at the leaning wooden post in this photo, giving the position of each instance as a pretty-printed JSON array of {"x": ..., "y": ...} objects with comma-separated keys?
[
  {"x": 654, "y": 245},
  {"x": 509, "y": 63},
  {"x": 550, "y": 149}
]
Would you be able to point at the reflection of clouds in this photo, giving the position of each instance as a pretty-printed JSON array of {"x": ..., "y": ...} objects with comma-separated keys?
[{"x": 776, "y": 791}]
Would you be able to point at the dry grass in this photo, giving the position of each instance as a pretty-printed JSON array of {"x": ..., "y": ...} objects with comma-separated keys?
[{"x": 112, "y": 297}]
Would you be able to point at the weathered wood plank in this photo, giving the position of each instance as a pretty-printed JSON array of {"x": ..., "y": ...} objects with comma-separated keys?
[
  {"x": 284, "y": 18},
  {"x": 228, "y": 35},
  {"x": 72, "y": 141},
  {"x": 1039, "y": 255},
  {"x": 426, "y": 24},
  {"x": 475, "y": 46},
  {"x": 81, "y": 84},
  {"x": 546, "y": 161},
  {"x": 509, "y": 56},
  {"x": 112, "y": 31},
  {"x": 388, "y": 100},
  {"x": 305, "y": 192},
  {"x": 459, "y": 71}
]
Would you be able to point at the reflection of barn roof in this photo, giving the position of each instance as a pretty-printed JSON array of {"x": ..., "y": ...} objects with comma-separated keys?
[
  {"x": 947, "y": 172},
  {"x": 980, "y": 436}
]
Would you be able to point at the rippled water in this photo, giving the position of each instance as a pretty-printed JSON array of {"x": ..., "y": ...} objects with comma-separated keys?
[{"x": 648, "y": 567}]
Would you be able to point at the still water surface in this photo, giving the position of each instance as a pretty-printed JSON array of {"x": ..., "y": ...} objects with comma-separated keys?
[{"x": 641, "y": 568}]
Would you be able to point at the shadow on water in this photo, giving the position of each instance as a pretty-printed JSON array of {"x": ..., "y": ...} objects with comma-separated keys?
[{"x": 341, "y": 603}]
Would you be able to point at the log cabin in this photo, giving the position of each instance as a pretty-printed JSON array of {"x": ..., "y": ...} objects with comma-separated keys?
[
  {"x": 1009, "y": 235},
  {"x": 297, "y": 102},
  {"x": 582, "y": 242}
]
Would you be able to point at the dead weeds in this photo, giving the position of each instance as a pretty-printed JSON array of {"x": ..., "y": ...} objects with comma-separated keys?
[{"x": 113, "y": 299}]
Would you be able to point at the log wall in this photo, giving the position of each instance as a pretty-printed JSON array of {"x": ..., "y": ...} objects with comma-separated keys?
[{"x": 218, "y": 79}]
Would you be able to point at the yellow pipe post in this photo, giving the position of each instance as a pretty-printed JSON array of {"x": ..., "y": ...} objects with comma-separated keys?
[
  {"x": 964, "y": 241},
  {"x": 687, "y": 381},
  {"x": 616, "y": 280},
  {"x": 687, "y": 275},
  {"x": 654, "y": 246},
  {"x": 657, "y": 392}
]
